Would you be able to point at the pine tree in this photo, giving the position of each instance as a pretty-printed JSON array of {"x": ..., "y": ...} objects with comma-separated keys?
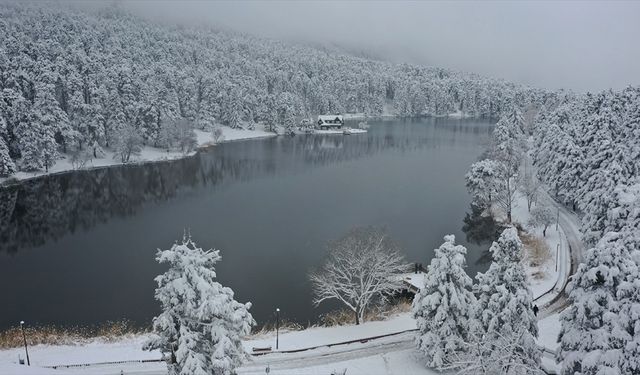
[
  {"x": 594, "y": 333},
  {"x": 7, "y": 166},
  {"x": 442, "y": 308},
  {"x": 505, "y": 305},
  {"x": 481, "y": 182},
  {"x": 201, "y": 325}
]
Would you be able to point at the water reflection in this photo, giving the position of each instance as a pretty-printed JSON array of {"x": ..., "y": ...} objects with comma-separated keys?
[
  {"x": 78, "y": 248},
  {"x": 44, "y": 209},
  {"x": 482, "y": 230}
]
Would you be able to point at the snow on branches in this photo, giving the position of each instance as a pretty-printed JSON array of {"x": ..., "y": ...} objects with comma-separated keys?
[
  {"x": 362, "y": 268},
  {"x": 201, "y": 325},
  {"x": 600, "y": 331},
  {"x": 443, "y": 308},
  {"x": 95, "y": 72},
  {"x": 504, "y": 311}
]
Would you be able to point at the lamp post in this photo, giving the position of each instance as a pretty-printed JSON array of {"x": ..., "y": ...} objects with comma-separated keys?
[
  {"x": 277, "y": 326},
  {"x": 557, "y": 255},
  {"x": 24, "y": 337}
]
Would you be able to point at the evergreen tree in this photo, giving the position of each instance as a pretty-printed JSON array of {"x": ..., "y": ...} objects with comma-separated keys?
[
  {"x": 7, "y": 166},
  {"x": 201, "y": 325},
  {"x": 594, "y": 333},
  {"x": 481, "y": 182},
  {"x": 505, "y": 305},
  {"x": 442, "y": 308}
]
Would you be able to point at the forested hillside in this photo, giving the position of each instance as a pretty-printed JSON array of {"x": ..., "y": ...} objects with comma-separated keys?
[
  {"x": 73, "y": 81},
  {"x": 588, "y": 151}
]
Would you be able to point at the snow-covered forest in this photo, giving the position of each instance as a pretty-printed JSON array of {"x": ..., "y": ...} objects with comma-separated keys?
[
  {"x": 76, "y": 82},
  {"x": 588, "y": 151}
]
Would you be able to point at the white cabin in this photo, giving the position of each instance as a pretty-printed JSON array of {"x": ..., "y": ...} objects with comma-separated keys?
[{"x": 330, "y": 121}]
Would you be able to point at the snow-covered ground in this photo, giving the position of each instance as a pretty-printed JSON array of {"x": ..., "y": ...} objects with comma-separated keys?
[
  {"x": 388, "y": 355},
  {"x": 148, "y": 154},
  {"x": 544, "y": 277},
  {"x": 153, "y": 154},
  {"x": 329, "y": 335},
  {"x": 459, "y": 114},
  {"x": 130, "y": 348},
  {"x": 340, "y": 131}
]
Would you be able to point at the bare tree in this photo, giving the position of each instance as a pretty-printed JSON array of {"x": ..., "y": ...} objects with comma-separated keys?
[
  {"x": 506, "y": 185},
  {"x": 543, "y": 216},
  {"x": 529, "y": 185},
  {"x": 507, "y": 151},
  {"x": 363, "y": 267},
  {"x": 128, "y": 143},
  {"x": 217, "y": 134}
]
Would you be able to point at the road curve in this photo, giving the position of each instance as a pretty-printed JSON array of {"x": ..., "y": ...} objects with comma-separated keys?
[{"x": 569, "y": 222}]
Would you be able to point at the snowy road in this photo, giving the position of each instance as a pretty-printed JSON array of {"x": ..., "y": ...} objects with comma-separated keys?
[
  {"x": 570, "y": 224},
  {"x": 328, "y": 356}
]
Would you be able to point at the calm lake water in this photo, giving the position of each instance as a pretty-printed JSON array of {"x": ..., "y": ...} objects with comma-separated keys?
[{"x": 78, "y": 248}]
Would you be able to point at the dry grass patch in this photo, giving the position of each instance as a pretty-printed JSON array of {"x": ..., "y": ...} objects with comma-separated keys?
[
  {"x": 347, "y": 317},
  {"x": 52, "y": 335},
  {"x": 284, "y": 326},
  {"x": 537, "y": 251}
]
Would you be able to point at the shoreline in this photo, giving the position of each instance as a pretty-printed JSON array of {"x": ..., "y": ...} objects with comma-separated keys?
[{"x": 150, "y": 154}]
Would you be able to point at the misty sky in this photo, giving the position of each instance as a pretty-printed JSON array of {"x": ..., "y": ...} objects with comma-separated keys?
[{"x": 579, "y": 45}]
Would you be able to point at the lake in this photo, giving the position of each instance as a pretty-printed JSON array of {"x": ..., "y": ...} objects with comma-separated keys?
[{"x": 78, "y": 248}]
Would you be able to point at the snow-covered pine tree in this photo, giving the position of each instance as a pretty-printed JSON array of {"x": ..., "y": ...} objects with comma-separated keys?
[
  {"x": 201, "y": 325},
  {"x": 442, "y": 308},
  {"x": 481, "y": 182},
  {"x": 594, "y": 333},
  {"x": 504, "y": 310},
  {"x": 629, "y": 317},
  {"x": 7, "y": 166}
]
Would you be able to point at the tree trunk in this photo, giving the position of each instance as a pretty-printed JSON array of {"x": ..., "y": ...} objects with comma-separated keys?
[
  {"x": 357, "y": 316},
  {"x": 544, "y": 231}
]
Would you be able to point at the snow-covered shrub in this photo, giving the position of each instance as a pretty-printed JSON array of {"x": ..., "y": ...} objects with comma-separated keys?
[{"x": 79, "y": 158}]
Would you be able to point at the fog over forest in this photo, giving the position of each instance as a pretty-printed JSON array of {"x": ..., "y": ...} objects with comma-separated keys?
[{"x": 581, "y": 46}]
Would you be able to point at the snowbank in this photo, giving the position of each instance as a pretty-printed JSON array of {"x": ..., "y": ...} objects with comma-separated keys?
[
  {"x": 459, "y": 115},
  {"x": 319, "y": 336},
  {"x": 339, "y": 131},
  {"x": 548, "y": 329}
]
